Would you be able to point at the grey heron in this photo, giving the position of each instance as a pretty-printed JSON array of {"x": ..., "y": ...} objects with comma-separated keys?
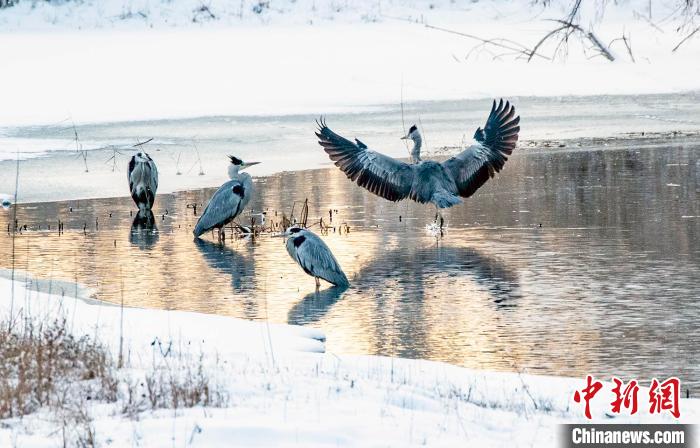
[
  {"x": 314, "y": 256},
  {"x": 443, "y": 184},
  {"x": 229, "y": 200},
  {"x": 143, "y": 180}
]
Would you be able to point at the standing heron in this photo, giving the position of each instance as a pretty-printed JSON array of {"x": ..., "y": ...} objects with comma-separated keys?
[
  {"x": 314, "y": 256},
  {"x": 143, "y": 181},
  {"x": 229, "y": 200},
  {"x": 442, "y": 184}
]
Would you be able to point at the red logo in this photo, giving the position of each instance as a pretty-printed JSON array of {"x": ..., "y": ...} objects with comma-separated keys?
[
  {"x": 663, "y": 397},
  {"x": 625, "y": 398},
  {"x": 588, "y": 393}
]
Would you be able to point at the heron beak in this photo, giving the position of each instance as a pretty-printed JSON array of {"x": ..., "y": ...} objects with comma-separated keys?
[
  {"x": 248, "y": 164},
  {"x": 404, "y": 137}
]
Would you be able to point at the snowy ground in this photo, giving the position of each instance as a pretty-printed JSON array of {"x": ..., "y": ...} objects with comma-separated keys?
[
  {"x": 97, "y": 61},
  {"x": 284, "y": 394}
]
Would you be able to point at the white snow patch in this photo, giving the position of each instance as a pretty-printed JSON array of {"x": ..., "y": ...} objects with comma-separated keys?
[{"x": 104, "y": 61}]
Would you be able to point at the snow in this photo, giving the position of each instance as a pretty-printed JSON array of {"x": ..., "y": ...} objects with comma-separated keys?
[
  {"x": 118, "y": 61},
  {"x": 80, "y": 61},
  {"x": 281, "y": 396},
  {"x": 216, "y": 334}
]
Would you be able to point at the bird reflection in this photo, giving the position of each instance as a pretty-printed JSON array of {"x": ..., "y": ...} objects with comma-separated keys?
[
  {"x": 144, "y": 232},
  {"x": 314, "y": 306},
  {"x": 410, "y": 284},
  {"x": 417, "y": 266},
  {"x": 240, "y": 267}
]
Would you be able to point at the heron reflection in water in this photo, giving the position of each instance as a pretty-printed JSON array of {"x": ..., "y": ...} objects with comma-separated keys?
[
  {"x": 417, "y": 272},
  {"x": 237, "y": 265},
  {"x": 314, "y": 306},
  {"x": 420, "y": 268},
  {"x": 144, "y": 232}
]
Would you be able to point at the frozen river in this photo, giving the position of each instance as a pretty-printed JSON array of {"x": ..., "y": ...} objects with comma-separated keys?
[
  {"x": 572, "y": 261},
  {"x": 54, "y": 169}
]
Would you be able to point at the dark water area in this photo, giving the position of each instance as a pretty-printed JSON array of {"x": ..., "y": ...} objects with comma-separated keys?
[{"x": 569, "y": 262}]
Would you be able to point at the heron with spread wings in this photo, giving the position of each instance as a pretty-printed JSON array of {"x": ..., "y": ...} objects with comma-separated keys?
[{"x": 426, "y": 181}]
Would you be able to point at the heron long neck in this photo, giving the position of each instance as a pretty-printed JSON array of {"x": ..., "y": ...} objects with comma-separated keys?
[
  {"x": 233, "y": 171},
  {"x": 415, "y": 152}
]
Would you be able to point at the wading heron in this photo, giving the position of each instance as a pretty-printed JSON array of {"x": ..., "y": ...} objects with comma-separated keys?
[
  {"x": 314, "y": 256},
  {"x": 229, "y": 200},
  {"x": 143, "y": 181},
  {"x": 442, "y": 184}
]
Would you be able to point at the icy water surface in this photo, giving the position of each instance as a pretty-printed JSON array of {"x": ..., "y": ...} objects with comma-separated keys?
[
  {"x": 570, "y": 262},
  {"x": 194, "y": 148}
]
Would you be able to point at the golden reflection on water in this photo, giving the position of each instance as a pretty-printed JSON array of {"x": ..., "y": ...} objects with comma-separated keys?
[{"x": 568, "y": 263}]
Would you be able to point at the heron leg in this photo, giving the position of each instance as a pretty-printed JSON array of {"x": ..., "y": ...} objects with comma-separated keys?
[
  {"x": 439, "y": 220},
  {"x": 318, "y": 283}
]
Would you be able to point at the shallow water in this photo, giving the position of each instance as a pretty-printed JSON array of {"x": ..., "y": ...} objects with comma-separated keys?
[{"x": 569, "y": 262}]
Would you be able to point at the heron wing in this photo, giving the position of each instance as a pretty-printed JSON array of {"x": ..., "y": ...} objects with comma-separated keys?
[
  {"x": 316, "y": 258},
  {"x": 223, "y": 207},
  {"x": 153, "y": 178},
  {"x": 130, "y": 170},
  {"x": 475, "y": 165},
  {"x": 380, "y": 174}
]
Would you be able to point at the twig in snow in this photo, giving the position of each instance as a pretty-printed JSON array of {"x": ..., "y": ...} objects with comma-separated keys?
[
  {"x": 199, "y": 159},
  {"x": 143, "y": 143},
  {"x": 685, "y": 39},
  {"x": 568, "y": 28},
  {"x": 14, "y": 236},
  {"x": 79, "y": 147},
  {"x": 627, "y": 43},
  {"x": 502, "y": 43}
]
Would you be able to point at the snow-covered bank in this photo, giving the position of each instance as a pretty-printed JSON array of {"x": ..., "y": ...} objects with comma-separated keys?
[
  {"x": 46, "y": 300},
  {"x": 280, "y": 397},
  {"x": 116, "y": 60}
]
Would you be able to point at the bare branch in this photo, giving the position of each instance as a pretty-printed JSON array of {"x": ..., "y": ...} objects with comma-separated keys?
[
  {"x": 543, "y": 40},
  {"x": 510, "y": 45},
  {"x": 143, "y": 143},
  {"x": 628, "y": 45},
  {"x": 685, "y": 39}
]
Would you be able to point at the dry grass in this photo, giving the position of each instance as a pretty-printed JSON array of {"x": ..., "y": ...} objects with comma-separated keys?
[
  {"x": 44, "y": 367},
  {"x": 180, "y": 383},
  {"x": 38, "y": 364}
]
